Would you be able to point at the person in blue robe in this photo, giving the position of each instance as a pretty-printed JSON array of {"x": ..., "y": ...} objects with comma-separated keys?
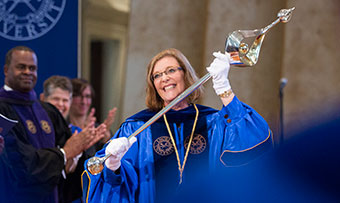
[{"x": 188, "y": 142}]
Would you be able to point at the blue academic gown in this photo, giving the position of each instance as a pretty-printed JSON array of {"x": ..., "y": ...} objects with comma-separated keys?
[{"x": 236, "y": 134}]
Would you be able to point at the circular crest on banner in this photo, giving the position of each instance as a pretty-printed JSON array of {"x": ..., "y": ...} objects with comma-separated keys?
[{"x": 22, "y": 20}]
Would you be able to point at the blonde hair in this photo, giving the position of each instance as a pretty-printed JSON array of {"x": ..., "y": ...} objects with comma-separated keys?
[{"x": 153, "y": 101}]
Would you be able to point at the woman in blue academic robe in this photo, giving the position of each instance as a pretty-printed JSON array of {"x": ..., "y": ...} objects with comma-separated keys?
[{"x": 187, "y": 143}]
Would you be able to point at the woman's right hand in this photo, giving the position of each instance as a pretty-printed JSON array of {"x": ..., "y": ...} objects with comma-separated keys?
[{"x": 117, "y": 148}]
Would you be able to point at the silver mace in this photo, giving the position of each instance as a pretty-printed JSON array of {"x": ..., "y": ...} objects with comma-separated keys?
[{"x": 241, "y": 56}]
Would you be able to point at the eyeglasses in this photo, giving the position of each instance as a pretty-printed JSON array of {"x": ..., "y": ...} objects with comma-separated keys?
[
  {"x": 87, "y": 96},
  {"x": 168, "y": 71}
]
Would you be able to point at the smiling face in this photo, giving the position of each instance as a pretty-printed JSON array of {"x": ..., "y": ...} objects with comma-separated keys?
[
  {"x": 82, "y": 103},
  {"x": 61, "y": 99},
  {"x": 171, "y": 84},
  {"x": 155, "y": 97},
  {"x": 21, "y": 73}
]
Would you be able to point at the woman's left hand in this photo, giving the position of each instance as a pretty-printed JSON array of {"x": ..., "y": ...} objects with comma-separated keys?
[{"x": 219, "y": 70}]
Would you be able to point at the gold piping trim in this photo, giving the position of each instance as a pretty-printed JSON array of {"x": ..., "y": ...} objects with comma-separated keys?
[
  {"x": 269, "y": 135},
  {"x": 88, "y": 188}
]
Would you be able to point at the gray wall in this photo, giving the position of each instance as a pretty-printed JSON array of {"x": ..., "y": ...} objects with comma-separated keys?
[{"x": 310, "y": 61}]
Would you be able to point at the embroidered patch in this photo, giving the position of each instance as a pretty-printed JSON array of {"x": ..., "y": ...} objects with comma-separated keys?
[
  {"x": 163, "y": 146},
  {"x": 31, "y": 127},
  {"x": 45, "y": 126},
  {"x": 198, "y": 144}
]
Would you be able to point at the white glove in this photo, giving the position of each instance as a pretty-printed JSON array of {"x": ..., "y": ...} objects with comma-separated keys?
[
  {"x": 117, "y": 148},
  {"x": 219, "y": 70}
]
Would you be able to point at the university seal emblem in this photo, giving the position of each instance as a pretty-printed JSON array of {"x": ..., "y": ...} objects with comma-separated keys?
[
  {"x": 31, "y": 127},
  {"x": 45, "y": 126},
  {"x": 22, "y": 20},
  {"x": 198, "y": 144},
  {"x": 163, "y": 146}
]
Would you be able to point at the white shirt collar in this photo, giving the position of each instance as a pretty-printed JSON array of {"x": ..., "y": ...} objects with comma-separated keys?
[{"x": 7, "y": 88}]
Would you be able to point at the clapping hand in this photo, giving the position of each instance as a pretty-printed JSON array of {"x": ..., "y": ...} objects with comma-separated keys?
[
  {"x": 79, "y": 142},
  {"x": 110, "y": 119}
]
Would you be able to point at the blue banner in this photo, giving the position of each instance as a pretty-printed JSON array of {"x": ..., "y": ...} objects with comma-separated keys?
[{"x": 48, "y": 27}]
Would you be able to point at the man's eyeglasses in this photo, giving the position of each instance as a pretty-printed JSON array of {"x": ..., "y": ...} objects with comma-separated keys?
[{"x": 168, "y": 71}]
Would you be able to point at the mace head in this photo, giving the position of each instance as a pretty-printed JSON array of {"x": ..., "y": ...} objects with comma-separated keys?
[
  {"x": 285, "y": 14},
  {"x": 95, "y": 165}
]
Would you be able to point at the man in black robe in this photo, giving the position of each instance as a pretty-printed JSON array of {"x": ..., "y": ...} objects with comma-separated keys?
[{"x": 38, "y": 147}]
